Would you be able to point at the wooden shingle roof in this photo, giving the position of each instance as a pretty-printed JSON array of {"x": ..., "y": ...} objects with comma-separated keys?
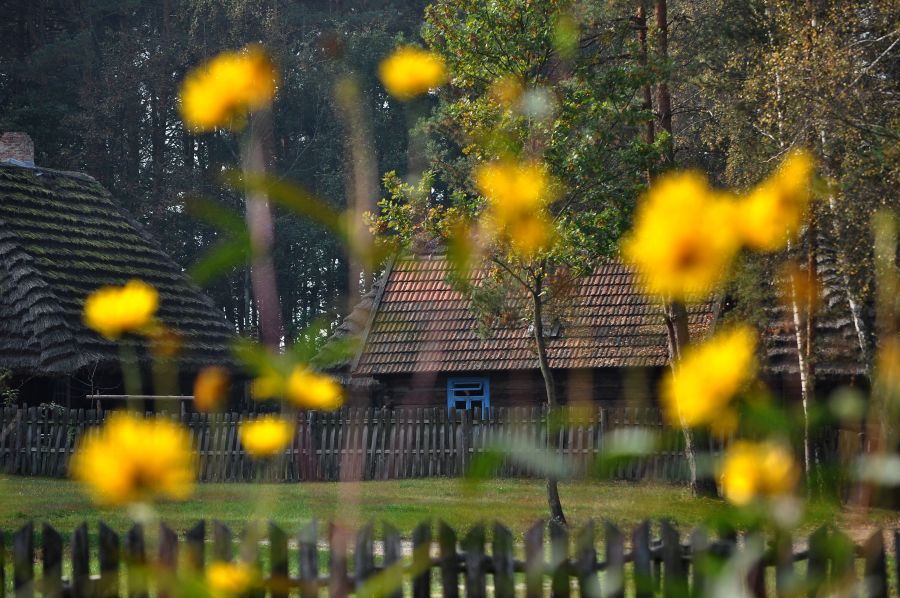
[
  {"x": 62, "y": 237},
  {"x": 421, "y": 323}
]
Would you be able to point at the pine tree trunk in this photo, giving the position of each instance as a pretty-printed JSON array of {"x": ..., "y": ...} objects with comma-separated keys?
[{"x": 553, "y": 501}]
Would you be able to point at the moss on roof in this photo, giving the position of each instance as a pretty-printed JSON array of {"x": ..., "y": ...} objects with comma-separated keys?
[{"x": 61, "y": 237}]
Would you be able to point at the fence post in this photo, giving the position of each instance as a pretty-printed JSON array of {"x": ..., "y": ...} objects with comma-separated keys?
[
  {"x": 615, "y": 560},
  {"x": 534, "y": 561},
  {"x": 449, "y": 563},
  {"x": 473, "y": 550},
  {"x": 108, "y": 585},
  {"x": 279, "y": 581},
  {"x": 643, "y": 575},
  {"x": 392, "y": 555},
  {"x": 363, "y": 557},
  {"x": 421, "y": 558},
  {"x": 168, "y": 559},
  {"x": 222, "y": 542},
  {"x": 136, "y": 561},
  {"x": 81, "y": 559},
  {"x": 559, "y": 555},
  {"x": 194, "y": 547},
  {"x": 675, "y": 577},
  {"x": 338, "y": 584},
  {"x": 23, "y": 561},
  {"x": 309, "y": 561},
  {"x": 502, "y": 552},
  {"x": 51, "y": 584},
  {"x": 586, "y": 561}
]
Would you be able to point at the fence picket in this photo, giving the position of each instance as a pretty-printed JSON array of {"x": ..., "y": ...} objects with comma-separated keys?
[
  {"x": 559, "y": 560},
  {"x": 473, "y": 547},
  {"x": 392, "y": 555},
  {"x": 51, "y": 582},
  {"x": 875, "y": 582},
  {"x": 448, "y": 559},
  {"x": 108, "y": 584},
  {"x": 421, "y": 559},
  {"x": 136, "y": 562},
  {"x": 309, "y": 561},
  {"x": 586, "y": 561},
  {"x": 279, "y": 580},
  {"x": 81, "y": 559},
  {"x": 504, "y": 562},
  {"x": 23, "y": 561},
  {"x": 534, "y": 561},
  {"x": 615, "y": 560}
]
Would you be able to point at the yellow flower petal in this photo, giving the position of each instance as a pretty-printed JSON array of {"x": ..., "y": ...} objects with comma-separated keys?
[
  {"x": 230, "y": 579},
  {"x": 210, "y": 388},
  {"x": 752, "y": 470},
  {"x": 683, "y": 239},
  {"x": 410, "y": 71},
  {"x": 772, "y": 213},
  {"x": 133, "y": 459},
  {"x": 113, "y": 311},
  {"x": 224, "y": 90},
  {"x": 708, "y": 377},
  {"x": 309, "y": 390},
  {"x": 266, "y": 436}
]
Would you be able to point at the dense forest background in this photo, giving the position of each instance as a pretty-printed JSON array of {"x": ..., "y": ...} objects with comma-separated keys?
[{"x": 95, "y": 83}]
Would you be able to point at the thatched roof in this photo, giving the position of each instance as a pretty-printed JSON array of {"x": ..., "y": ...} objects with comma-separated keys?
[{"x": 61, "y": 237}]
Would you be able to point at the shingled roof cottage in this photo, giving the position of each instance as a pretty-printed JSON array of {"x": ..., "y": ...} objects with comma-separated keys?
[
  {"x": 61, "y": 237},
  {"x": 420, "y": 344}
]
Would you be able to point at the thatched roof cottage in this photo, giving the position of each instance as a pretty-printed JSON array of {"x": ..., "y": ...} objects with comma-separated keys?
[{"x": 61, "y": 237}]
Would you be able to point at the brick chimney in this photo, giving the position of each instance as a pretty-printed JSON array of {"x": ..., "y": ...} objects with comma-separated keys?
[{"x": 17, "y": 148}]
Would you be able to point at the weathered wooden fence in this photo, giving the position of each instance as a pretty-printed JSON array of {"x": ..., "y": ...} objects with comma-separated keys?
[
  {"x": 642, "y": 564},
  {"x": 380, "y": 444},
  {"x": 374, "y": 444}
]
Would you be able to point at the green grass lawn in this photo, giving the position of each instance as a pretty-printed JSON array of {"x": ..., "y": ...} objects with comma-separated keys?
[{"x": 403, "y": 503}]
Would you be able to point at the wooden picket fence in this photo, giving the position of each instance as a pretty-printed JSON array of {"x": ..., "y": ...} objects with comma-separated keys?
[
  {"x": 641, "y": 564},
  {"x": 375, "y": 444}
]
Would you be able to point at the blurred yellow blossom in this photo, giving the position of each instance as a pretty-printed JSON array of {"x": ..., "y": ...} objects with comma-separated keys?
[
  {"x": 410, "y": 71},
  {"x": 683, "y": 239},
  {"x": 113, "y": 311},
  {"x": 757, "y": 469},
  {"x": 772, "y": 212},
  {"x": 132, "y": 459},
  {"x": 303, "y": 387},
  {"x": 266, "y": 436},
  {"x": 221, "y": 92},
  {"x": 309, "y": 390},
  {"x": 707, "y": 378},
  {"x": 210, "y": 388},
  {"x": 517, "y": 195},
  {"x": 230, "y": 579},
  {"x": 165, "y": 343}
]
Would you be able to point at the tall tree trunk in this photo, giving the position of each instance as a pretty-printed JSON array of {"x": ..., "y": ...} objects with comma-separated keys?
[
  {"x": 640, "y": 24},
  {"x": 675, "y": 312},
  {"x": 553, "y": 500}
]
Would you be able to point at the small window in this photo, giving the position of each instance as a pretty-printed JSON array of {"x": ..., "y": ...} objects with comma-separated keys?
[{"x": 469, "y": 393}]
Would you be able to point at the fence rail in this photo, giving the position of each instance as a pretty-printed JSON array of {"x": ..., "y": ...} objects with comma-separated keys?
[
  {"x": 640, "y": 564},
  {"x": 367, "y": 444}
]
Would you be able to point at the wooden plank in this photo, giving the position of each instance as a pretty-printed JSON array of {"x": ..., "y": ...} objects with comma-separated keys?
[
  {"x": 279, "y": 579},
  {"x": 615, "y": 560},
  {"x": 136, "y": 562},
  {"x": 23, "y": 561},
  {"x": 559, "y": 560},
  {"x": 699, "y": 541},
  {"x": 81, "y": 559},
  {"x": 168, "y": 560},
  {"x": 586, "y": 561},
  {"x": 51, "y": 583},
  {"x": 309, "y": 561},
  {"x": 108, "y": 584},
  {"x": 222, "y": 542},
  {"x": 640, "y": 547},
  {"x": 449, "y": 564},
  {"x": 393, "y": 559},
  {"x": 675, "y": 573},
  {"x": 473, "y": 549},
  {"x": 504, "y": 562},
  {"x": 534, "y": 561},
  {"x": 875, "y": 581},
  {"x": 194, "y": 548},
  {"x": 421, "y": 560},
  {"x": 364, "y": 556},
  {"x": 339, "y": 583}
]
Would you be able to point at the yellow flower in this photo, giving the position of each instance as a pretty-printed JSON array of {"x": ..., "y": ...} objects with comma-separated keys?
[
  {"x": 133, "y": 459},
  {"x": 517, "y": 196},
  {"x": 210, "y": 387},
  {"x": 707, "y": 378},
  {"x": 222, "y": 91},
  {"x": 410, "y": 71},
  {"x": 773, "y": 212},
  {"x": 683, "y": 238},
  {"x": 751, "y": 470},
  {"x": 230, "y": 579},
  {"x": 113, "y": 311},
  {"x": 266, "y": 436},
  {"x": 309, "y": 390},
  {"x": 303, "y": 387}
]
